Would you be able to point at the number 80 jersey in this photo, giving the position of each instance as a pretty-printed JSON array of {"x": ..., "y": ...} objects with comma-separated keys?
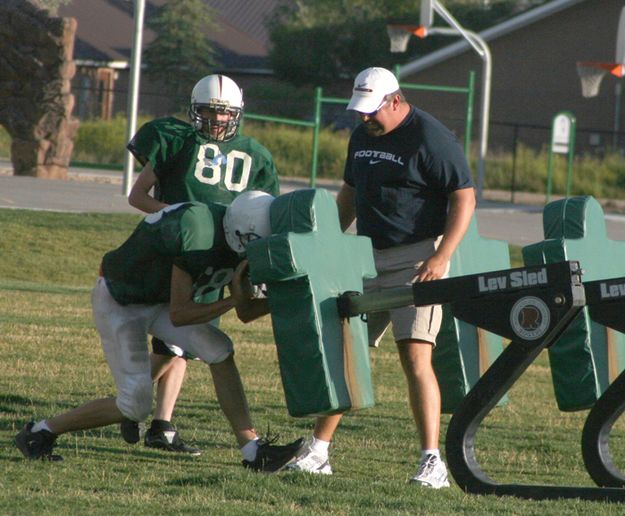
[{"x": 190, "y": 167}]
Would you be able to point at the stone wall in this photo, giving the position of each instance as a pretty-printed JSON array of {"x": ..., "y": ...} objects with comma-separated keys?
[{"x": 36, "y": 67}]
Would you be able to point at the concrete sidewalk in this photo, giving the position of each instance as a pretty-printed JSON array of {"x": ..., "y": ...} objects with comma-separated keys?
[
  {"x": 101, "y": 191},
  {"x": 88, "y": 190}
]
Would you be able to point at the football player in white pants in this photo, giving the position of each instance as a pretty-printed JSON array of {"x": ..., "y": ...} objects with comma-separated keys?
[{"x": 151, "y": 284}]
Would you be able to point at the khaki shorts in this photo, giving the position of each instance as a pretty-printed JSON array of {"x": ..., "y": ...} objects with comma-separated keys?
[{"x": 396, "y": 267}]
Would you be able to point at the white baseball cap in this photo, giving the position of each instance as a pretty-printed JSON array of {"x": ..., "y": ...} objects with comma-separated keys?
[{"x": 370, "y": 88}]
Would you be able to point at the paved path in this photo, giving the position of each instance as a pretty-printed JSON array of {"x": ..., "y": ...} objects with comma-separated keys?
[{"x": 89, "y": 190}]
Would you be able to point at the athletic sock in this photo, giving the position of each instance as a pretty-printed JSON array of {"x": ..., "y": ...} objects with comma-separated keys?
[
  {"x": 436, "y": 452},
  {"x": 249, "y": 449},
  {"x": 41, "y": 425},
  {"x": 319, "y": 446}
]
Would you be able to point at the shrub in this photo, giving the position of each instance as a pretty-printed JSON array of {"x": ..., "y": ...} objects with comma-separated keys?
[
  {"x": 599, "y": 177},
  {"x": 292, "y": 149},
  {"x": 102, "y": 142},
  {"x": 5, "y": 143}
]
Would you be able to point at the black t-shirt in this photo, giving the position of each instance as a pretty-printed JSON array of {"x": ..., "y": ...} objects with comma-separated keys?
[{"x": 403, "y": 179}]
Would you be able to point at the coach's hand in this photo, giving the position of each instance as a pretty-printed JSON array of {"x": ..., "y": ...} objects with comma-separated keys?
[{"x": 435, "y": 267}]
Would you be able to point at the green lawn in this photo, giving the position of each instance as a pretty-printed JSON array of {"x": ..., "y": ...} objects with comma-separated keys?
[{"x": 52, "y": 361}]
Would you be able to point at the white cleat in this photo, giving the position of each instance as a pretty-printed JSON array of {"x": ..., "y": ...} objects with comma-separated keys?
[
  {"x": 432, "y": 473},
  {"x": 311, "y": 462}
]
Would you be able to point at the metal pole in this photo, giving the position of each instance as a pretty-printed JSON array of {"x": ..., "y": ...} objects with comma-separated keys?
[
  {"x": 570, "y": 158},
  {"x": 515, "y": 138},
  {"x": 133, "y": 92},
  {"x": 485, "y": 113},
  {"x": 446, "y": 15},
  {"x": 549, "y": 175},
  {"x": 484, "y": 52},
  {"x": 618, "y": 91},
  {"x": 315, "y": 142},
  {"x": 469, "y": 121}
]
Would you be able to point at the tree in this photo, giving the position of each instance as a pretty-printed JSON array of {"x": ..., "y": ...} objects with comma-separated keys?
[
  {"x": 317, "y": 41},
  {"x": 181, "y": 53},
  {"x": 52, "y": 6}
]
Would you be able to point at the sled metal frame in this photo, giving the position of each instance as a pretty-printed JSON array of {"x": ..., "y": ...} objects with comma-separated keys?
[{"x": 488, "y": 301}]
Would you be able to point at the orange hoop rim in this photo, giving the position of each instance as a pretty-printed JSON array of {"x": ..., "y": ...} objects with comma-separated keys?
[
  {"x": 615, "y": 69},
  {"x": 420, "y": 31}
]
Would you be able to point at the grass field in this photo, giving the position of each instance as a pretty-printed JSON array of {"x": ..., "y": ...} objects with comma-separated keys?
[{"x": 52, "y": 361}]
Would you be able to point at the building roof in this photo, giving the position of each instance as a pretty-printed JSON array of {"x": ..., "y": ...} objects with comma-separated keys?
[
  {"x": 501, "y": 29},
  {"x": 106, "y": 29}
]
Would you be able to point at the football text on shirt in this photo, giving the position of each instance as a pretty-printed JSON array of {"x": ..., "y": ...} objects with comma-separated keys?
[{"x": 379, "y": 156}]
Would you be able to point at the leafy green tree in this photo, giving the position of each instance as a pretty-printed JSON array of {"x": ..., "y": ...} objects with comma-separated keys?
[
  {"x": 317, "y": 41},
  {"x": 51, "y": 5},
  {"x": 182, "y": 52}
]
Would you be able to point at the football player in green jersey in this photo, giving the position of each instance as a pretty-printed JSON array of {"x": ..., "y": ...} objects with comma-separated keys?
[
  {"x": 151, "y": 284},
  {"x": 206, "y": 160}
]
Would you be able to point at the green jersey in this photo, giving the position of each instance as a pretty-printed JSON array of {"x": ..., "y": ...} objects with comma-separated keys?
[
  {"x": 191, "y": 168},
  {"x": 188, "y": 235}
]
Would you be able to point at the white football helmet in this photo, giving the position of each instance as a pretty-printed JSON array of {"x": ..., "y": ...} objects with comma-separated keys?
[
  {"x": 247, "y": 219},
  {"x": 221, "y": 94}
]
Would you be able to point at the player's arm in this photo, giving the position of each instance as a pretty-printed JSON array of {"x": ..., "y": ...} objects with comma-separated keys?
[
  {"x": 346, "y": 202},
  {"x": 461, "y": 208},
  {"x": 140, "y": 197},
  {"x": 183, "y": 310},
  {"x": 249, "y": 307}
]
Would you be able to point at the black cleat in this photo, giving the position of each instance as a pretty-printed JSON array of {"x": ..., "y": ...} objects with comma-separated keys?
[
  {"x": 271, "y": 458},
  {"x": 130, "y": 430},
  {"x": 36, "y": 445},
  {"x": 169, "y": 440}
]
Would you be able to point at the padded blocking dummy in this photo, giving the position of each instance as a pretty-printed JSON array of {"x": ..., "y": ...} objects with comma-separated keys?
[
  {"x": 588, "y": 356},
  {"x": 306, "y": 264},
  {"x": 463, "y": 352}
]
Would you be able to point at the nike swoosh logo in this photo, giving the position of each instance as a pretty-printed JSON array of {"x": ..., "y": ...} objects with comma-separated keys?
[{"x": 374, "y": 161}]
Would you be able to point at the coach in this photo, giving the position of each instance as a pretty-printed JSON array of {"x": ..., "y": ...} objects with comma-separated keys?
[{"x": 409, "y": 186}]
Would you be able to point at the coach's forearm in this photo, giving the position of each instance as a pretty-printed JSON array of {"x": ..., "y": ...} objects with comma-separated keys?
[{"x": 462, "y": 207}]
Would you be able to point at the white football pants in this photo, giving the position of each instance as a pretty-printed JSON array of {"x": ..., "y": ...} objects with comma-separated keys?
[{"x": 124, "y": 335}]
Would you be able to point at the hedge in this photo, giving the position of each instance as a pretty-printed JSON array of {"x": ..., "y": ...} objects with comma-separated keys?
[{"x": 102, "y": 142}]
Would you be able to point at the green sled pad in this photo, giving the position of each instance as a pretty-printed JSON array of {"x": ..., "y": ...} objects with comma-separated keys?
[
  {"x": 463, "y": 352},
  {"x": 306, "y": 264},
  {"x": 588, "y": 356}
]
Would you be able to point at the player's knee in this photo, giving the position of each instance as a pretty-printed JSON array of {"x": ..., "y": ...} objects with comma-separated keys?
[
  {"x": 135, "y": 401},
  {"x": 211, "y": 345},
  {"x": 222, "y": 353}
]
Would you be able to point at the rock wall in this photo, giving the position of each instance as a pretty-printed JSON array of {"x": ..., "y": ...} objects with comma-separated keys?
[{"x": 36, "y": 67}]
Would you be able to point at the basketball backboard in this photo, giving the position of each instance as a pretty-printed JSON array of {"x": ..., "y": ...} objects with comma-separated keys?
[
  {"x": 399, "y": 34},
  {"x": 591, "y": 73},
  {"x": 426, "y": 16},
  {"x": 620, "y": 42}
]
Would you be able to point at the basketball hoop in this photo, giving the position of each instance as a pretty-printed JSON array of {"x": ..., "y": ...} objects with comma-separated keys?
[
  {"x": 591, "y": 74},
  {"x": 591, "y": 77},
  {"x": 400, "y": 35}
]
